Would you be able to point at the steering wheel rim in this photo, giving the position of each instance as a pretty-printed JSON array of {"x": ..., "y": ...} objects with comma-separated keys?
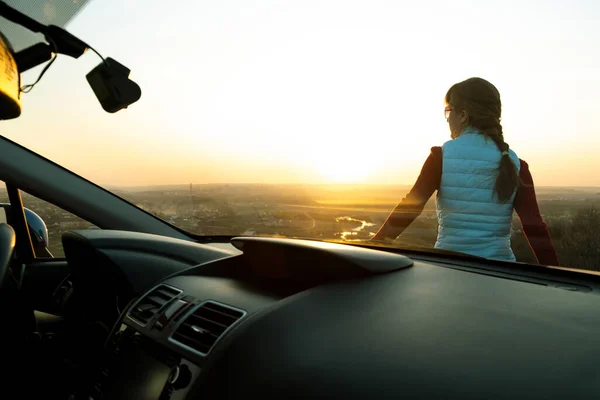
[{"x": 8, "y": 240}]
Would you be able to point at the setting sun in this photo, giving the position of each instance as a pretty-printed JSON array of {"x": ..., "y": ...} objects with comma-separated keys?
[
  {"x": 345, "y": 171},
  {"x": 343, "y": 163}
]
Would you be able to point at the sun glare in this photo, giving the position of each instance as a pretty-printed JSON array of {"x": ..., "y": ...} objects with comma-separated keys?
[
  {"x": 345, "y": 173},
  {"x": 339, "y": 169}
]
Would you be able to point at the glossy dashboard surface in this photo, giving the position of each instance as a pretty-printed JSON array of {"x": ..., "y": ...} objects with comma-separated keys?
[{"x": 436, "y": 328}]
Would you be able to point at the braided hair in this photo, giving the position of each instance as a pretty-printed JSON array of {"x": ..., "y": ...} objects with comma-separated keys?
[{"x": 482, "y": 102}]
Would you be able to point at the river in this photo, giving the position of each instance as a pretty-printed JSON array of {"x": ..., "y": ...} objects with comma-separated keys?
[{"x": 360, "y": 232}]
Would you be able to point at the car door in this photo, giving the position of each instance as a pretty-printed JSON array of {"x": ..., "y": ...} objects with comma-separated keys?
[
  {"x": 67, "y": 201},
  {"x": 39, "y": 266}
]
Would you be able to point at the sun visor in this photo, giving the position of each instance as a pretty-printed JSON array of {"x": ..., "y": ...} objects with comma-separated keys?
[{"x": 10, "y": 102}]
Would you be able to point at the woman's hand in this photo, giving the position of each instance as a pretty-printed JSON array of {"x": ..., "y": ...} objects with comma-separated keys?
[
  {"x": 382, "y": 239},
  {"x": 386, "y": 234}
]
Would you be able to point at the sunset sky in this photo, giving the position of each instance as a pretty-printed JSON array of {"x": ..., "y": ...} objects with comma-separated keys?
[{"x": 317, "y": 90}]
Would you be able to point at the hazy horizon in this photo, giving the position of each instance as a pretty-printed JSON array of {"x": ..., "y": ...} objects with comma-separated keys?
[{"x": 186, "y": 185}]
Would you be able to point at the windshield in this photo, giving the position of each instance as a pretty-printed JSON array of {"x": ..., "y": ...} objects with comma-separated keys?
[{"x": 318, "y": 119}]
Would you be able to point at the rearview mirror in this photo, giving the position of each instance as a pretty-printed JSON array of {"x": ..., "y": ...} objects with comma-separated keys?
[{"x": 112, "y": 86}]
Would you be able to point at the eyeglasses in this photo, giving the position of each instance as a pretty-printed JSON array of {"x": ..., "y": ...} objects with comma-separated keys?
[{"x": 447, "y": 112}]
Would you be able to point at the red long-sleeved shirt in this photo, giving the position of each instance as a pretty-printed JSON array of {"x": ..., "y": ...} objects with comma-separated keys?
[{"x": 525, "y": 204}]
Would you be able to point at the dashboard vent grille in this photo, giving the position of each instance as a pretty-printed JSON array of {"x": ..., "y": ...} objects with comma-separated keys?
[
  {"x": 149, "y": 305},
  {"x": 201, "y": 329}
]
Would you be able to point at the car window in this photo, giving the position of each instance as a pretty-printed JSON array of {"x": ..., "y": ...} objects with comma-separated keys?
[{"x": 57, "y": 221}]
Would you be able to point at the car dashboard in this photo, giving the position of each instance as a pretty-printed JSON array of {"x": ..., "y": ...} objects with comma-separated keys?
[{"x": 295, "y": 319}]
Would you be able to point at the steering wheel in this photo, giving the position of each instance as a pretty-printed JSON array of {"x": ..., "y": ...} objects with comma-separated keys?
[{"x": 8, "y": 240}]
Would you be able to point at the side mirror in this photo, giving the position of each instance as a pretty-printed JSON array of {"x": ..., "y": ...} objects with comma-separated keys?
[{"x": 37, "y": 226}]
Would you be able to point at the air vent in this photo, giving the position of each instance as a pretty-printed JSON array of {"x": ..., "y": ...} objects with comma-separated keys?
[
  {"x": 149, "y": 305},
  {"x": 201, "y": 329}
]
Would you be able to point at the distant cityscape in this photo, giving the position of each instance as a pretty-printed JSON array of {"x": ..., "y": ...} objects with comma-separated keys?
[{"x": 332, "y": 212}]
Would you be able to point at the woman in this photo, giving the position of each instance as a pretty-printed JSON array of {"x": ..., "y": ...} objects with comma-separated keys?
[{"x": 479, "y": 181}]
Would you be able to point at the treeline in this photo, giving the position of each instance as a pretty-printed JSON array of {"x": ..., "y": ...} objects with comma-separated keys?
[{"x": 576, "y": 239}]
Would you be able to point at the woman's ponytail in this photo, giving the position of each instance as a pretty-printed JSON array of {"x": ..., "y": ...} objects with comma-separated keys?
[{"x": 508, "y": 180}]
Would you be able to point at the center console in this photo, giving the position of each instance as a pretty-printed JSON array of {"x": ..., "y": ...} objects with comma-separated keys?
[
  {"x": 136, "y": 367},
  {"x": 168, "y": 336}
]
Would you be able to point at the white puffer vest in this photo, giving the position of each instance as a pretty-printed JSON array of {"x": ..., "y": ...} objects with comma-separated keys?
[{"x": 471, "y": 219}]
